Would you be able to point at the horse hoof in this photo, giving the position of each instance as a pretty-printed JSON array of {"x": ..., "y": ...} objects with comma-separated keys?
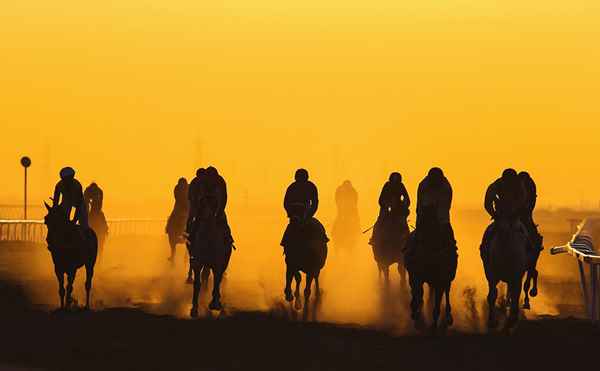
[
  {"x": 415, "y": 316},
  {"x": 511, "y": 321},
  {"x": 449, "y": 320},
  {"x": 526, "y": 306},
  {"x": 215, "y": 305},
  {"x": 194, "y": 312},
  {"x": 533, "y": 293},
  {"x": 288, "y": 296},
  {"x": 298, "y": 304}
]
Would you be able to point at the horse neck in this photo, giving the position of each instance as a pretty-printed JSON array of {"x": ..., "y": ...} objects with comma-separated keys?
[{"x": 507, "y": 242}]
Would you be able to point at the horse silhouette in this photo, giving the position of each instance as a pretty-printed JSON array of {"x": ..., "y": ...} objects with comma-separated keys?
[
  {"x": 305, "y": 251},
  {"x": 506, "y": 260},
  {"x": 388, "y": 249},
  {"x": 209, "y": 249},
  {"x": 71, "y": 247},
  {"x": 431, "y": 258},
  {"x": 99, "y": 225}
]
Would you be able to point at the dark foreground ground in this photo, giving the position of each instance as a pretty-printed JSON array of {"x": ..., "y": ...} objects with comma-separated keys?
[{"x": 129, "y": 339}]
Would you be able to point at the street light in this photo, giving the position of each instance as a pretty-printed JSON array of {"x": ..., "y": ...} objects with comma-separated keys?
[{"x": 25, "y": 162}]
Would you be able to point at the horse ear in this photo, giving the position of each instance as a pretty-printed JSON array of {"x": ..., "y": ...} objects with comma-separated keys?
[{"x": 47, "y": 206}]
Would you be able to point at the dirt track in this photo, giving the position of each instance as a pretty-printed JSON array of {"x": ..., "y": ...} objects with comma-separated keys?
[
  {"x": 129, "y": 339},
  {"x": 119, "y": 335}
]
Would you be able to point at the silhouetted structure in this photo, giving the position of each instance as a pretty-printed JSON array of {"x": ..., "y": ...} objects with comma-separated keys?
[
  {"x": 346, "y": 227},
  {"x": 68, "y": 195},
  {"x": 431, "y": 255}
]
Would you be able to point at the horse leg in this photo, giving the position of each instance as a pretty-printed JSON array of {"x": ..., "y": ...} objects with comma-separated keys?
[
  {"x": 526, "y": 287},
  {"x": 215, "y": 304},
  {"x": 386, "y": 275},
  {"x": 205, "y": 274},
  {"x": 89, "y": 274},
  {"x": 514, "y": 290},
  {"x": 172, "y": 245},
  {"x": 317, "y": 288},
  {"x": 491, "y": 299},
  {"x": 289, "y": 274},
  {"x": 534, "y": 290},
  {"x": 197, "y": 283},
  {"x": 402, "y": 272},
  {"x": 416, "y": 303},
  {"x": 60, "y": 276},
  {"x": 309, "y": 281},
  {"x": 190, "y": 270},
  {"x": 449, "y": 319},
  {"x": 70, "y": 280},
  {"x": 439, "y": 292},
  {"x": 298, "y": 302}
]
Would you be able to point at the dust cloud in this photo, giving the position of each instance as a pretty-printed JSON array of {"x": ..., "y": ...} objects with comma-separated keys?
[{"x": 133, "y": 271}]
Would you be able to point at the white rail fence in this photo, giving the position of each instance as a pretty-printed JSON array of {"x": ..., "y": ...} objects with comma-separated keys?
[
  {"x": 585, "y": 247},
  {"x": 14, "y": 230}
]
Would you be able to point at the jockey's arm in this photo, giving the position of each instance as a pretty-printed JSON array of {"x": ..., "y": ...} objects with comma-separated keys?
[
  {"x": 490, "y": 196},
  {"x": 287, "y": 201},
  {"x": 57, "y": 193},
  {"x": 224, "y": 191},
  {"x": 405, "y": 196},
  {"x": 100, "y": 198},
  {"x": 420, "y": 195},
  {"x": 314, "y": 200}
]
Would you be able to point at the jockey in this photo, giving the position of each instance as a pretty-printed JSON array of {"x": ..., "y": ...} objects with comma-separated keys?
[
  {"x": 526, "y": 212},
  {"x": 93, "y": 198},
  {"x": 181, "y": 194},
  {"x": 435, "y": 191},
  {"x": 393, "y": 201},
  {"x": 68, "y": 194},
  {"x": 215, "y": 185},
  {"x": 346, "y": 199},
  {"x": 504, "y": 201},
  {"x": 302, "y": 192},
  {"x": 196, "y": 190}
]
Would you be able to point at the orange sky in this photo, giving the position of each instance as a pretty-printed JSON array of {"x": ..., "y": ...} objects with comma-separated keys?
[{"x": 135, "y": 93}]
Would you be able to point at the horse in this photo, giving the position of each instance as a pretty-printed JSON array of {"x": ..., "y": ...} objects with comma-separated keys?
[
  {"x": 389, "y": 248},
  {"x": 431, "y": 258},
  {"x": 176, "y": 232},
  {"x": 506, "y": 260},
  {"x": 71, "y": 247},
  {"x": 305, "y": 249},
  {"x": 209, "y": 250},
  {"x": 99, "y": 225},
  {"x": 346, "y": 230}
]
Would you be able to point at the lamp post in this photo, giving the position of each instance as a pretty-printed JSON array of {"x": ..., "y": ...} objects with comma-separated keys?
[{"x": 25, "y": 162}]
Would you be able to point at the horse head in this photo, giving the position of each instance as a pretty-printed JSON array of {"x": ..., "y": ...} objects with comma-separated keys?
[{"x": 57, "y": 224}]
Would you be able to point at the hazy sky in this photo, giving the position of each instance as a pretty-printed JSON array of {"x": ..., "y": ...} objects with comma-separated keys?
[{"x": 135, "y": 93}]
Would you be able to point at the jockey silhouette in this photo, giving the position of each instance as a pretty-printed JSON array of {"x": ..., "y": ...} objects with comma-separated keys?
[{"x": 68, "y": 195}]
